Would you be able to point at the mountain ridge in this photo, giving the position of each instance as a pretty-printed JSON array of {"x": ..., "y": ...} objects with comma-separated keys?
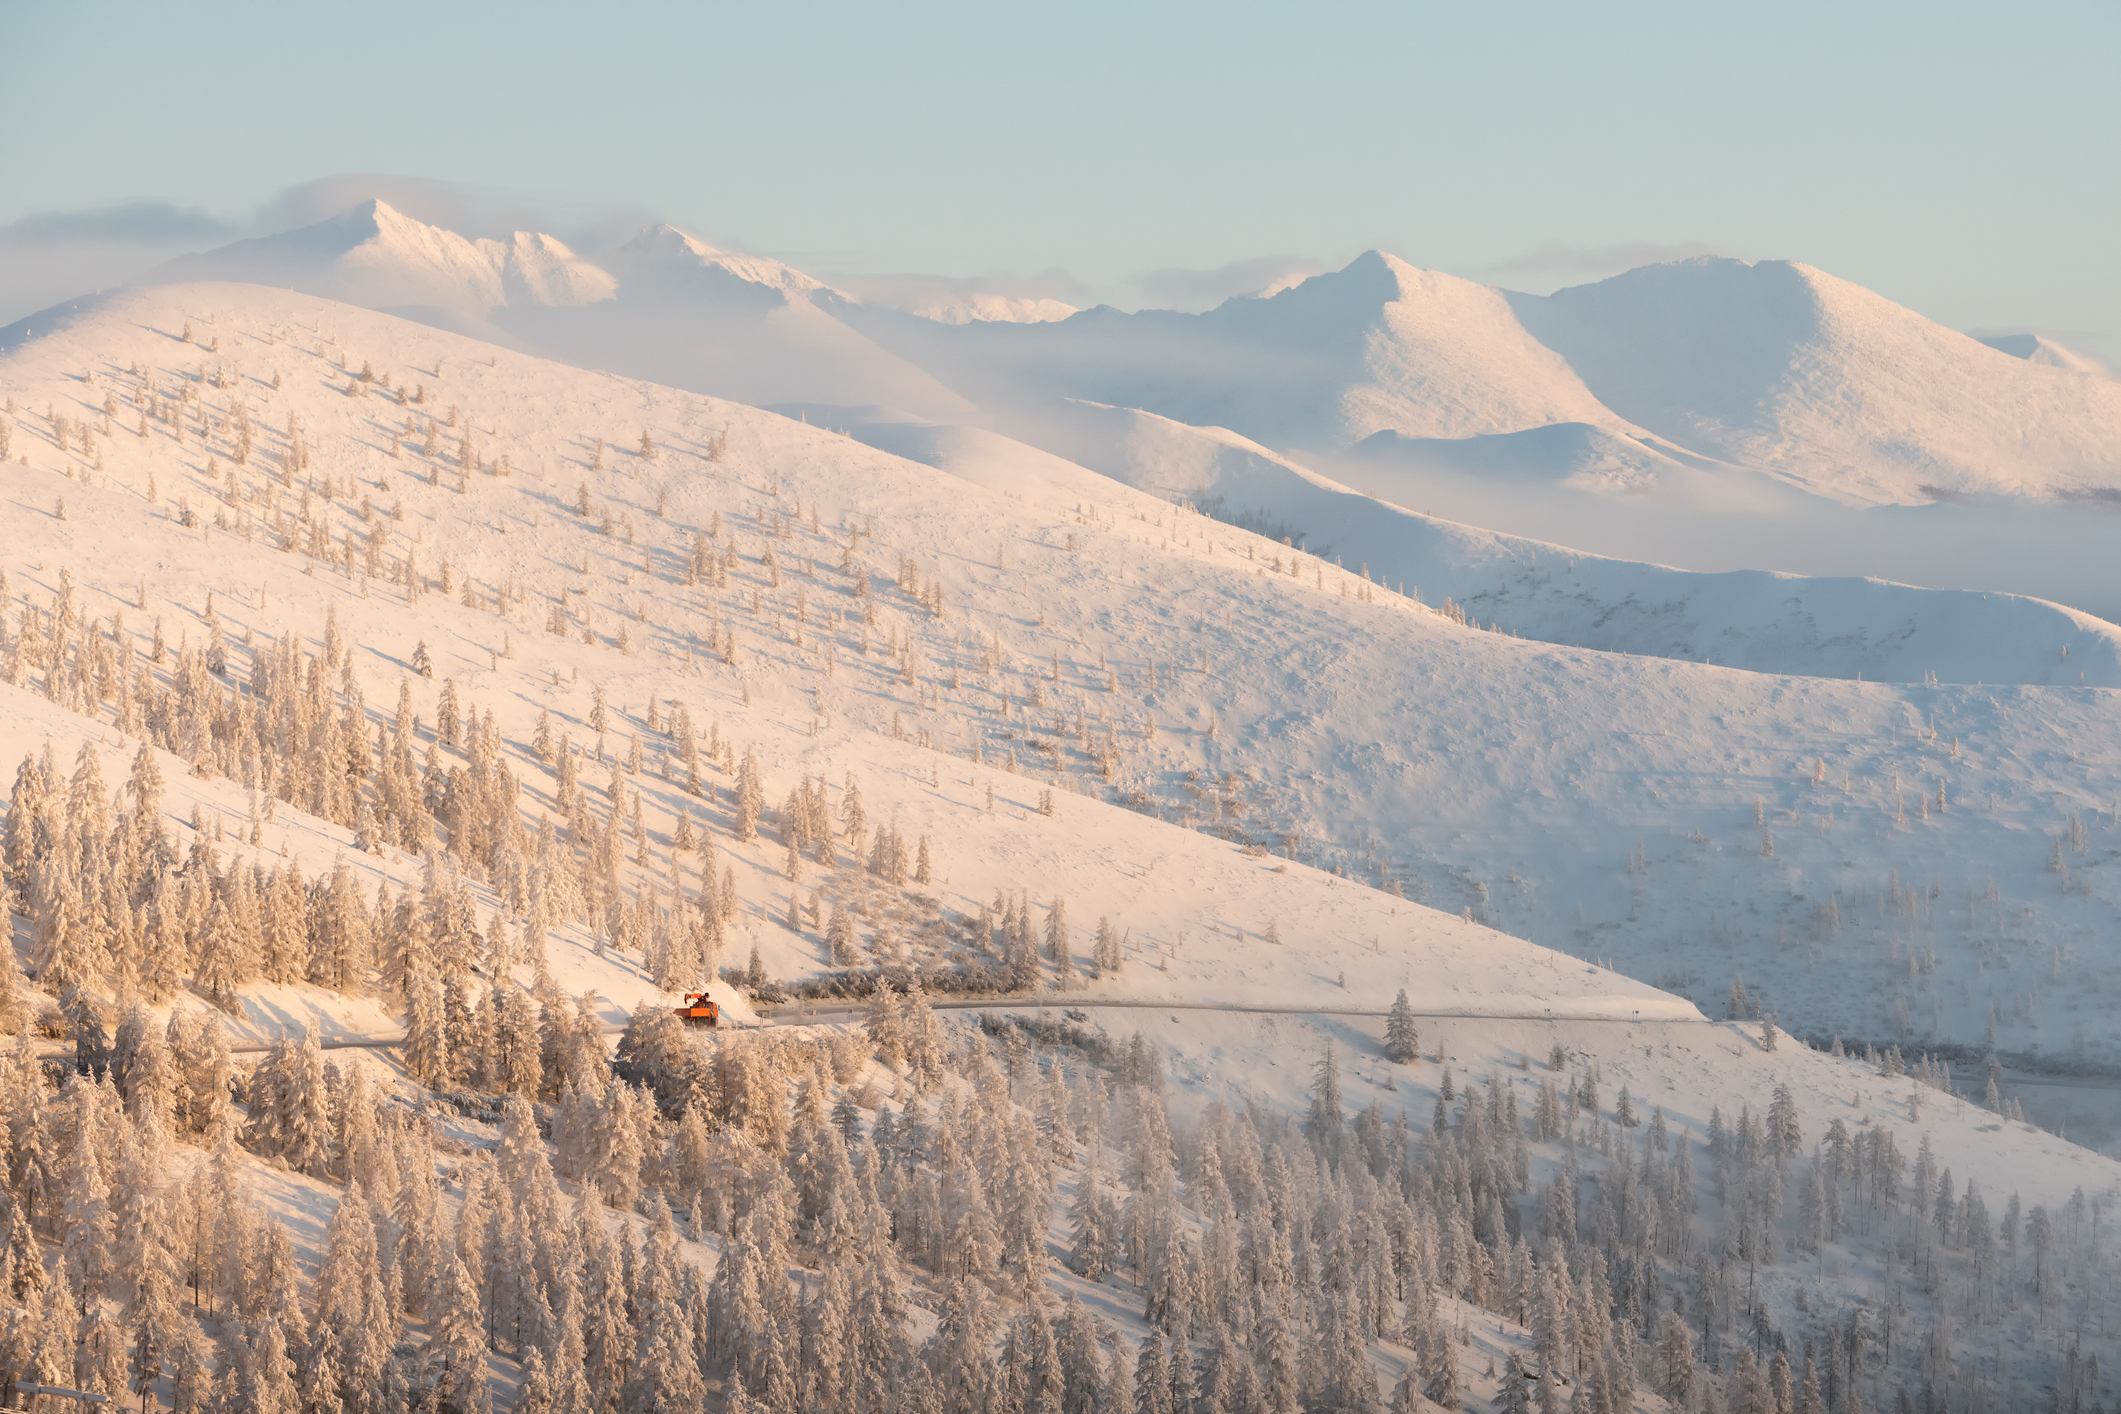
[{"x": 1767, "y": 367}]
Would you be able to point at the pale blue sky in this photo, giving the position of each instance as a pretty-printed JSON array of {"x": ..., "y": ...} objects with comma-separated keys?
[{"x": 1960, "y": 159}]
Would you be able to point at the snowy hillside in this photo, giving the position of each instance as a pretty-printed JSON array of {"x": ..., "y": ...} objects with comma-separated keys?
[
  {"x": 1415, "y": 788},
  {"x": 1762, "y": 622},
  {"x": 1020, "y": 723},
  {"x": 1735, "y": 368},
  {"x": 1783, "y": 367}
]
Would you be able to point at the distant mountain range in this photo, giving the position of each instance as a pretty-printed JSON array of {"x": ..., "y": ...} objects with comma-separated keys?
[{"x": 1722, "y": 368}]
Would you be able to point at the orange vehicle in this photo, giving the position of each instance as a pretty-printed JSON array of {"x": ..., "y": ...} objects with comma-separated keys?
[{"x": 699, "y": 1010}]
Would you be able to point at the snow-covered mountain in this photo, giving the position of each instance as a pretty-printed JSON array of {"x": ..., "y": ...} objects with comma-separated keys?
[
  {"x": 1742, "y": 368},
  {"x": 664, "y": 306},
  {"x": 1319, "y": 365},
  {"x": 379, "y": 258},
  {"x": 948, "y": 301},
  {"x": 1734, "y": 370},
  {"x": 1838, "y": 390},
  {"x": 989, "y": 308}
]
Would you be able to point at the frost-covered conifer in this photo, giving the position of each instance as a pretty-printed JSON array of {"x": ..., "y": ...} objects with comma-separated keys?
[
  {"x": 155, "y": 1324},
  {"x": 1094, "y": 1223},
  {"x": 840, "y": 937},
  {"x": 886, "y": 1026},
  {"x": 427, "y": 1053},
  {"x": 1515, "y": 1394},
  {"x": 1057, "y": 937},
  {"x": 1105, "y": 958},
  {"x": 750, "y": 797},
  {"x": 85, "y": 1212},
  {"x": 1325, "y": 1122},
  {"x": 290, "y": 1105},
  {"x": 1402, "y": 1035},
  {"x": 453, "y": 1362}
]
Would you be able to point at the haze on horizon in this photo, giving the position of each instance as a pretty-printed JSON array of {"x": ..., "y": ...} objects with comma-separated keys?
[{"x": 1111, "y": 156}]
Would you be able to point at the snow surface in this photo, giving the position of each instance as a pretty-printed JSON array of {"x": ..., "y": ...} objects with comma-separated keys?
[
  {"x": 1596, "y": 802},
  {"x": 1760, "y": 621},
  {"x": 1839, "y": 390},
  {"x": 1594, "y": 844}
]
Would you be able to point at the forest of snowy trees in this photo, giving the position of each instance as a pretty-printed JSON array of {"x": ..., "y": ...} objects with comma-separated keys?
[
  {"x": 890, "y": 1211},
  {"x": 874, "y": 1250}
]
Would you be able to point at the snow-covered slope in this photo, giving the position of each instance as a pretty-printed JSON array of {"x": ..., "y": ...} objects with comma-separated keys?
[
  {"x": 1784, "y": 367},
  {"x": 1288, "y": 787},
  {"x": 1599, "y": 802},
  {"x": 1731, "y": 367},
  {"x": 1760, "y": 621},
  {"x": 1380, "y": 344},
  {"x": 1572, "y": 454}
]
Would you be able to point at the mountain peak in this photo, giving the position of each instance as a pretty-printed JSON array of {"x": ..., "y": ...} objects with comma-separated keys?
[
  {"x": 375, "y": 255},
  {"x": 665, "y": 239},
  {"x": 382, "y": 216},
  {"x": 666, "y": 246}
]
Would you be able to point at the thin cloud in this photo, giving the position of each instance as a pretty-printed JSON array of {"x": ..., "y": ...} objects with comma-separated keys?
[
  {"x": 1560, "y": 258},
  {"x": 50, "y": 256},
  {"x": 136, "y": 223}
]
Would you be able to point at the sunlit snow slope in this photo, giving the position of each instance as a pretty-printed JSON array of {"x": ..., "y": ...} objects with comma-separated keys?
[{"x": 1687, "y": 822}]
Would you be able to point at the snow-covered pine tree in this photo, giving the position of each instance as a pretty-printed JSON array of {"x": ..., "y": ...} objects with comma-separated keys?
[
  {"x": 840, "y": 939},
  {"x": 750, "y": 797},
  {"x": 1058, "y": 948},
  {"x": 1094, "y": 1222},
  {"x": 1402, "y": 1034},
  {"x": 86, "y": 1221},
  {"x": 290, "y": 1105},
  {"x": 154, "y": 1322},
  {"x": 886, "y": 1026},
  {"x": 1105, "y": 960},
  {"x": 1325, "y": 1121},
  {"x": 453, "y": 1362},
  {"x": 427, "y": 1054}
]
